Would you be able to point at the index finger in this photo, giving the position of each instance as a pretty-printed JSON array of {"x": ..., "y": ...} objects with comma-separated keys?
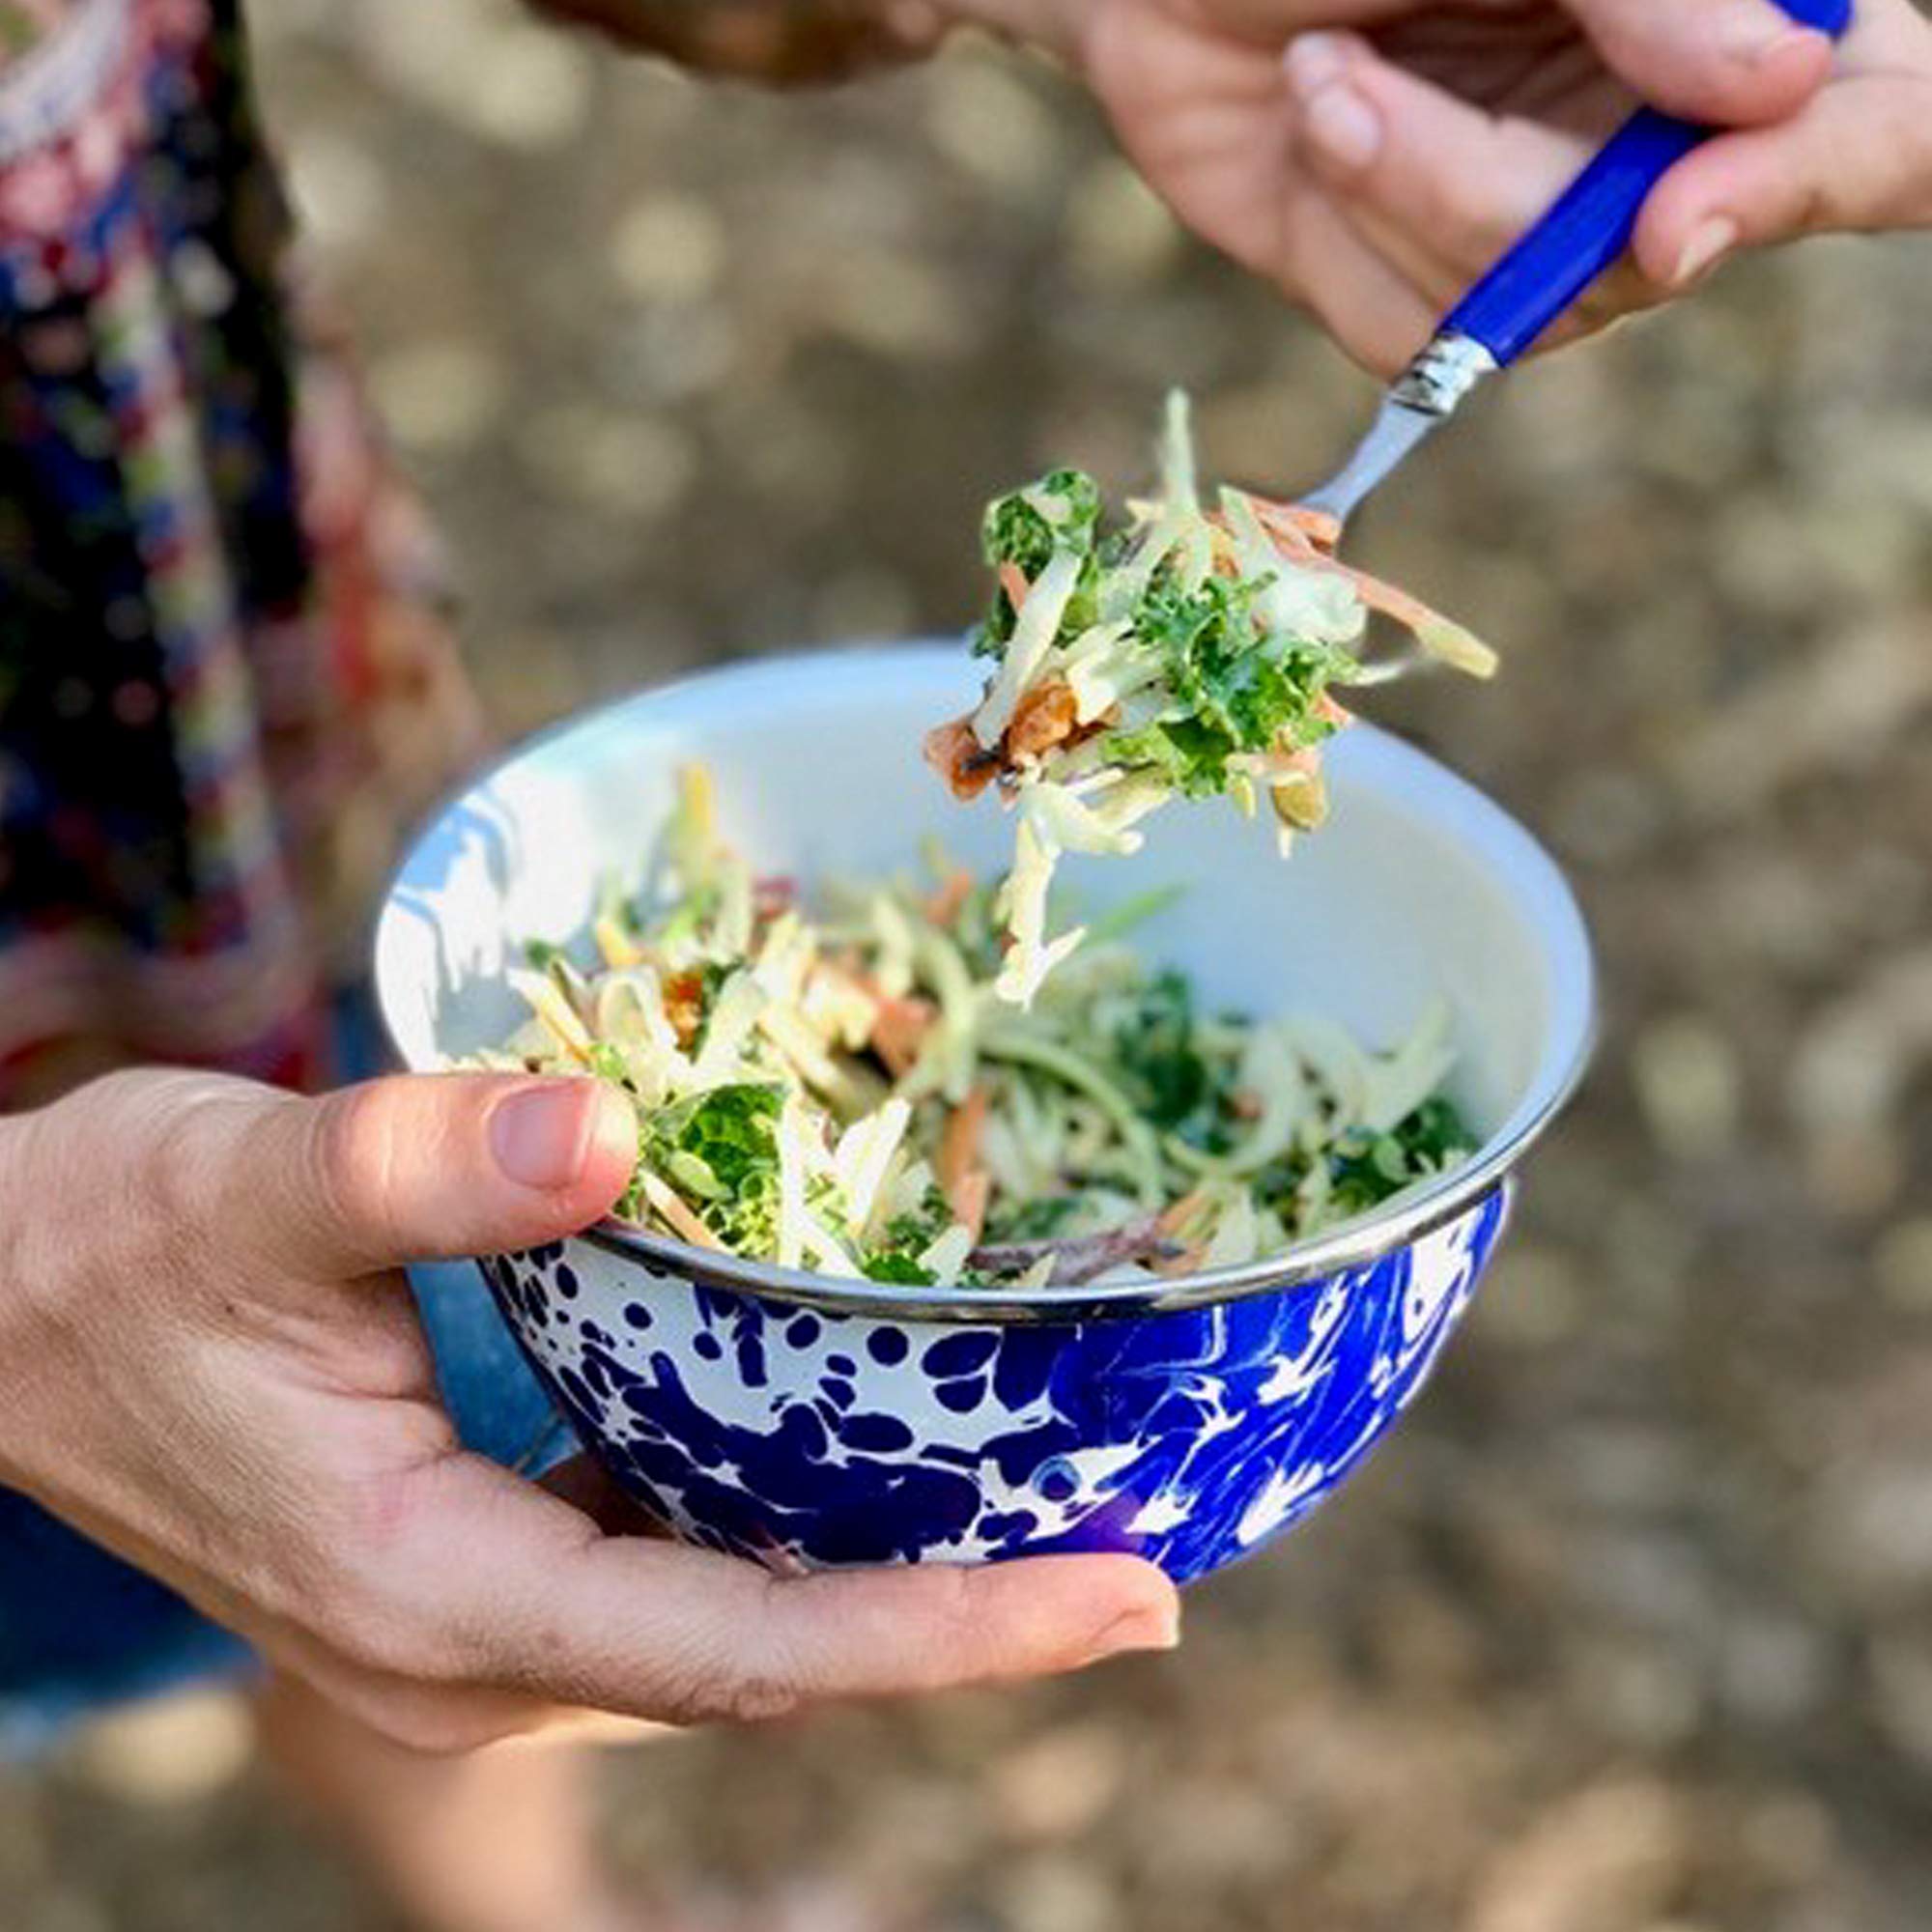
[{"x": 531, "y": 1596}]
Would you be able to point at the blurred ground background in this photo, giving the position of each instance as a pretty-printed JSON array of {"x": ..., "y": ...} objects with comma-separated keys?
[{"x": 1631, "y": 1628}]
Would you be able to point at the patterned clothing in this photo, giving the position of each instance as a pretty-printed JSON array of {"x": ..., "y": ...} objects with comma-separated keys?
[
  {"x": 224, "y": 677},
  {"x": 225, "y": 683}
]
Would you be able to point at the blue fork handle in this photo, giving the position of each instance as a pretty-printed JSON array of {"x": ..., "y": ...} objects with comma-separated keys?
[{"x": 1590, "y": 227}]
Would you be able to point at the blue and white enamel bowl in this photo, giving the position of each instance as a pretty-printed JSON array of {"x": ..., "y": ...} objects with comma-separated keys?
[{"x": 794, "y": 1418}]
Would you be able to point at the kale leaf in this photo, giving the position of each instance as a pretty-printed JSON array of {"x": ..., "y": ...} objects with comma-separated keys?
[
  {"x": 1062, "y": 511},
  {"x": 1365, "y": 1169},
  {"x": 896, "y": 1255},
  {"x": 1019, "y": 531},
  {"x": 892, "y": 1265},
  {"x": 1158, "y": 1065},
  {"x": 1437, "y": 1132},
  {"x": 721, "y": 1147},
  {"x": 1243, "y": 693}
]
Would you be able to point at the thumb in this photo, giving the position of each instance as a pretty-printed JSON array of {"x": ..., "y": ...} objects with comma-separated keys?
[
  {"x": 1731, "y": 61},
  {"x": 1773, "y": 183},
  {"x": 420, "y": 1166}
]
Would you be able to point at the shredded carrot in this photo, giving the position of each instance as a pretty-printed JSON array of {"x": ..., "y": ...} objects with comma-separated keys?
[
  {"x": 1439, "y": 635},
  {"x": 1013, "y": 580},
  {"x": 684, "y": 1005},
  {"x": 1321, "y": 527},
  {"x": 958, "y": 1163},
  {"x": 1390, "y": 601},
  {"x": 942, "y": 907},
  {"x": 1295, "y": 531},
  {"x": 672, "y": 1206},
  {"x": 1183, "y": 1210},
  {"x": 900, "y": 1030},
  {"x": 1045, "y": 717},
  {"x": 969, "y": 1208},
  {"x": 959, "y": 1142},
  {"x": 958, "y": 757}
]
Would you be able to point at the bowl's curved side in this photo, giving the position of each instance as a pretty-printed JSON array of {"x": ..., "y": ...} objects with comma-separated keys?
[{"x": 829, "y": 1439}]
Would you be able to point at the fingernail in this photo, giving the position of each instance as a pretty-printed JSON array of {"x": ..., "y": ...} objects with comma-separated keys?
[
  {"x": 1709, "y": 242},
  {"x": 1341, "y": 128},
  {"x": 1144, "y": 1629},
  {"x": 1757, "y": 40},
  {"x": 1312, "y": 61},
  {"x": 541, "y": 1136}
]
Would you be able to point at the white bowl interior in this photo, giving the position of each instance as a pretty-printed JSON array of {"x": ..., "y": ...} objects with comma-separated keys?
[{"x": 1418, "y": 886}]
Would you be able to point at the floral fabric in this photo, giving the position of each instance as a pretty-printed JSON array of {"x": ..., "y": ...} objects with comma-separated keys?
[{"x": 225, "y": 675}]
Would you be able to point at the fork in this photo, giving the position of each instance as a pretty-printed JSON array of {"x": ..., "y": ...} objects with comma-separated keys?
[{"x": 1587, "y": 229}]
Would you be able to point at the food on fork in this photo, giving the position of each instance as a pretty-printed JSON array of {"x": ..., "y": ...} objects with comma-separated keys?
[{"x": 1192, "y": 653}]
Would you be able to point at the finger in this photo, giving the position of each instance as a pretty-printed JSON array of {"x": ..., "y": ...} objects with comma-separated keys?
[
  {"x": 528, "y": 1598},
  {"x": 598, "y": 1729},
  {"x": 1732, "y": 62},
  {"x": 1378, "y": 317},
  {"x": 316, "y": 1685},
  {"x": 1858, "y": 157},
  {"x": 1441, "y": 185},
  {"x": 584, "y": 1483},
  {"x": 432, "y": 1165},
  {"x": 1436, "y": 186},
  {"x": 684, "y": 1635},
  {"x": 1623, "y": 290}
]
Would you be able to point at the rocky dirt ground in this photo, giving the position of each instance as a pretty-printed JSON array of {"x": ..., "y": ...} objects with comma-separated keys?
[{"x": 1631, "y": 1628}]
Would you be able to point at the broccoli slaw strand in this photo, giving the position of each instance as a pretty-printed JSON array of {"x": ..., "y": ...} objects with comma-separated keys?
[
  {"x": 852, "y": 1096},
  {"x": 1191, "y": 654}
]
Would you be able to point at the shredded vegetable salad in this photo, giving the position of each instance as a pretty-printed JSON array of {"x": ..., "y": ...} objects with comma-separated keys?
[
  {"x": 843, "y": 1090},
  {"x": 1191, "y": 654}
]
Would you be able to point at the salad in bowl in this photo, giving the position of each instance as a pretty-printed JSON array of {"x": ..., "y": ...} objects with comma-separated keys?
[
  {"x": 969, "y": 1222},
  {"x": 844, "y": 1089}
]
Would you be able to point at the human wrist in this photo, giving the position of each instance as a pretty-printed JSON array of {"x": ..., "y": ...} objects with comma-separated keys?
[{"x": 90, "y": 1257}]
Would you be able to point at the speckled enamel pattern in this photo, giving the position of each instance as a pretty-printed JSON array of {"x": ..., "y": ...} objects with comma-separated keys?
[{"x": 787, "y": 1434}]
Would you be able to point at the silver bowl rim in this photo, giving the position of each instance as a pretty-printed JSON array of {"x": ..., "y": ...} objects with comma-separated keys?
[{"x": 1353, "y": 1244}]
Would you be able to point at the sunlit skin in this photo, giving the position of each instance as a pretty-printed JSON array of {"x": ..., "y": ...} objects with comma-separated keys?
[
  {"x": 216, "y": 1372},
  {"x": 1374, "y": 172}
]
